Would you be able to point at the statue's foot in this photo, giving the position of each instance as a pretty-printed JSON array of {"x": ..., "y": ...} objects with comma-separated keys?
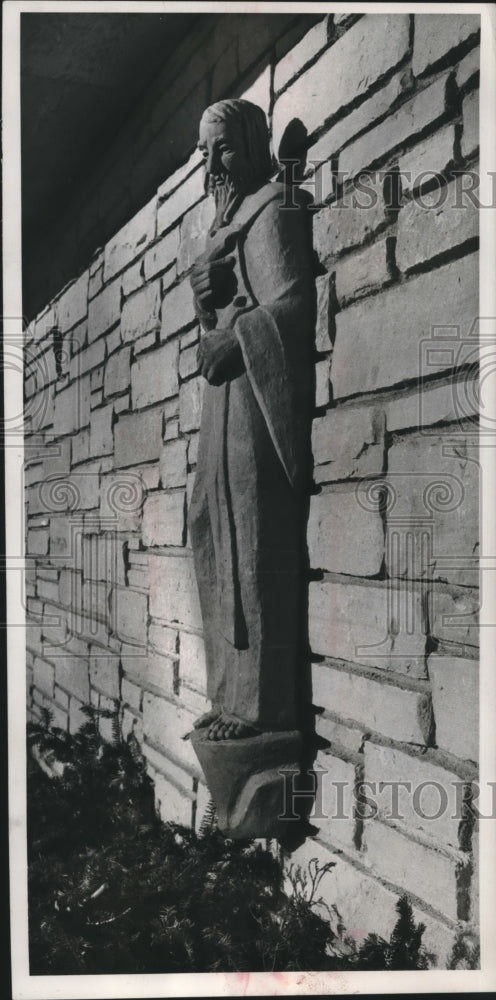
[
  {"x": 228, "y": 727},
  {"x": 208, "y": 717}
]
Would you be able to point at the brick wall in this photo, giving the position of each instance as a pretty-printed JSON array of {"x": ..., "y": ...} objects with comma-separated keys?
[{"x": 113, "y": 410}]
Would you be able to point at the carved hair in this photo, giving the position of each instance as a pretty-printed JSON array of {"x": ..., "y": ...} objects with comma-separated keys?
[{"x": 249, "y": 124}]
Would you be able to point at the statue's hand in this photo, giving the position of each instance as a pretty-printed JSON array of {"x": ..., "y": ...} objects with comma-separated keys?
[
  {"x": 219, "y": 357},
  {"x": 214, "y": 283}
]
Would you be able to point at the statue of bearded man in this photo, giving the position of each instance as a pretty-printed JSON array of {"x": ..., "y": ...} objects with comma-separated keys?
[{"x": 254, "y": 296}]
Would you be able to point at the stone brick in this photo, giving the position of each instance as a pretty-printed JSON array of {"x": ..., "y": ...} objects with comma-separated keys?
[
  {"x": 430, "y": 802},
  {"x": 259, "y": 91},
  {"x": 362, "y": 272},
  {"x": 63, "y": 528},
  {"x": 194, "y": 229},
  {"x": 62, "y": 699},
  {"x": 340, "y": 732},
  {"x": 445, "y": 402},
  {"x": 154, "y": 376},
  {"x": 470, "y": 134},
  {"x": 353, "y": 123},
  {"x": 173, "y": 805},
  {"x": 95, "y": 600},
  {"x": 410, "y": 120},
  {"x": 468, "y": 68},
  {"x": 192, "y": 665},
  {"x": 132, "y": 278},
  {"x": 349, "y": 442},
  {"x": 101, "y": 436},
  {"x": 429, "y": 874},
  {"x": 162, "y": 255},
  {"x": 347, "y": 223},
  {"x": 432, "y": 524},
  {"x": 375, "y": 625},
  {"x": 375, "y": 347},
  {"x": 95, "y": 283},
  {"x": 394, "y": 711},
  {"x": 38, "y": 542},
  {"x": 130, "y": 241},
  {"x": 453, "y": 615},
  {"x": 129, "y": 610},
  {"x": 138, "y": 436},
  {"x": 44, "y": 676},
  {"x": 131, "y": 694},
  {"x": 190, "y": 404},
  {"x": 165, "y": 723},
  {"x": 72, "y": 306},
  {"x": 105, "y": 673},
  {"x": 71, "y": 673},
  {"x": 121, "y": 500},
  {"x": 296, "y": 59},
  {"x": 176, "y": 179},
  {"x": 324, "y": 325},
  {"x": 72, "y": 407},
  {"x": 173, "y": 590},
  {"x": 104, "y": 311},
  {"x": 435, "y": 38},
  {"x": 163, "y": 519},
  {"x": 163, "y": 639},
  {"x": 77, "y": 718},
  {"x": 177, "y": 309},
  {"x": 141, "y": 312},
  {"x": 47, "y": 589},
  {"x": 322, "y": 384},
  {"x": 159, "y": 673},
  {"x": 188, "y": 363},
  {"x": 381, "y": 42},
  {"x": 455, "y": 697},
  {"x": 334, "y": 800},
  {"x": 434, "y": 224},
  {"x": 118, "y": 372},
  {"x": 431, "y": 156},
  {"x": 343, "y": 537},
  {"x": 180, "y": 201}
]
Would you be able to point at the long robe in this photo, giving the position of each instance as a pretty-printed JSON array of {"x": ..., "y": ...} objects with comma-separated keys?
[{"x": 248, "y": 499}]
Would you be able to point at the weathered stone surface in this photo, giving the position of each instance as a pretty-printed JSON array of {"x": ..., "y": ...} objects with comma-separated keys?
[
  {"x": 132, "y": 278},
  {"x": 424, "y": 797},
  {"x": 323, "y": 326},
  {"x": 260, "y": 91},
  {"x": 176, "y": 179},
  {"x": 347, "y": 223},
  {"x": 101, "y": 436},
  {"x": 377, "y": 626},
  {"x": 163, "y": 519},
  {"x": 38, "y": 542},
  {"x": 165, "y": 722},
  {"x": 377, "y": 347},
  {"x": 163, "y": 639},
  {"x": 131, "y": 694},
  {"x": 179, "y": 201},
  {"x": 432, "y": 521},
  {"x": 130, "y": 241},
  {"x": 335, "y": 794},
  {"x": 173, "y": 590},
  {"x": 434, "y": 37},
  {"x": 177, "y": 309},
  {"x": 430, "y": 874},
  {"x": 72, "y": 306},
  {"x": 105, "y": 672},
  {"x": 470, "y": 134},
  {"x": 188, "y": 362},
  {"x": 192, "y": 665},
  {"x": 455, "y": 698},
  {"x": 343, "y": 537},
  {"x": 297, "y": 57},
  {"x": 396, "y": 712},
  {"x": 349, "y": 443},
  {"x": 445, "y": 402},
  {"x": 162, "y": 255},
  {"x": 194, "y": 228},
  {"x": 72, "y": 407},
  {"x": 453, "y": 615},
  {"x": 44, "y": 676},
  {"x": 430, "y": 156},
  {"x": 104, "y": 311},
  {"x": 71, "y": 673},
  {"x": 117, "y": 377},
  {"x": 121, "y": 500},
  {"x": 468, "y": 68},
  {"x": 381, "y": 42},
  {"x": 77, "y": 718},
  {"x": 361, "y": 272},
  {"x": 129, "y": 614},
  {"x": 322, "y": 385},
  {"x": 141, "y": 312},
  {"x": 173, "y": 468},
  {"x": 340, "y": 733},
  {"x": 437, "y": 222},
  {"x": 159, "y": 674},
  {"x": 47, "y": 589},
  {"x": 154, "y": 376},
  {"x": 190, "y": 403},
  {"x": 411, "y": 119},
  {"x": 138, "y": 437}
]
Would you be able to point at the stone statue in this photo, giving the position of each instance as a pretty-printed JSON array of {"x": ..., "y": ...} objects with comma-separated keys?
[{"x": 254, "y": 296}]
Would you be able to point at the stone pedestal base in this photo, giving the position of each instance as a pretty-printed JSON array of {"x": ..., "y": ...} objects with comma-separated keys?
[{"x": 245, "y": 782}]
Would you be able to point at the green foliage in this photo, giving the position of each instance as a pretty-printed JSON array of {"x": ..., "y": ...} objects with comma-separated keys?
[{"x": 112, "y": 889}]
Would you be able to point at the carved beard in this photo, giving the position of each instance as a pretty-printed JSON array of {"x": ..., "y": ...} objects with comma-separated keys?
[{"x": 227, "y": 194}]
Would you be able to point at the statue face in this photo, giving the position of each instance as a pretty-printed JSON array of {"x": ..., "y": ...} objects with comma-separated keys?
[{"x": 223, "y": 159}]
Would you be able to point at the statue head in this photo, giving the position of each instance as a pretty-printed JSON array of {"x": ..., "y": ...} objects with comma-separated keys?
[{"x": 234, "y": 140}]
